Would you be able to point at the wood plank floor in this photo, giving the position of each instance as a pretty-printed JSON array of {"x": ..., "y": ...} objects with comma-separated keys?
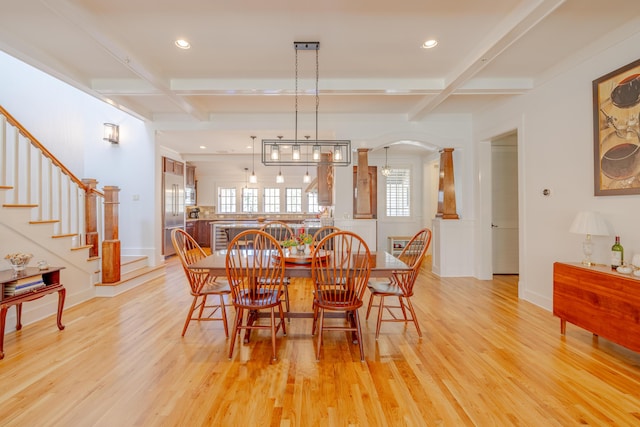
[{"x": 485, "y": 359}]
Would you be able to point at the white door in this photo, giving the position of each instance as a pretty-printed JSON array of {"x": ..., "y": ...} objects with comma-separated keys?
[{"x": 504, "y": 205}]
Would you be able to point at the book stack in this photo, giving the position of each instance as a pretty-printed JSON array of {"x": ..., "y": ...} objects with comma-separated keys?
[{"x": 21, "y": 286}]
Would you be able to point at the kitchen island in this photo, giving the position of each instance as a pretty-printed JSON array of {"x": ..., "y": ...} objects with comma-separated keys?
[{"x": 223, "y": 232}]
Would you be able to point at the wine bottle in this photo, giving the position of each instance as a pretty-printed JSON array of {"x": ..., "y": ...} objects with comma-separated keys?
[{"x": 617, "y": 254}]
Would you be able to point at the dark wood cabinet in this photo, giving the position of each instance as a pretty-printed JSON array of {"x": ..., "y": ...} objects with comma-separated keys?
[
  {"x": 203, "y": 233},
  {"x": 190, "y": 228},
  {"x": 599, "y": 300}
]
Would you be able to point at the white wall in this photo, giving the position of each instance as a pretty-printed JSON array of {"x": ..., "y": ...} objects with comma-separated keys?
[
  {"x": 69, "y": 123},
  {"x": 555, "y": 144}
]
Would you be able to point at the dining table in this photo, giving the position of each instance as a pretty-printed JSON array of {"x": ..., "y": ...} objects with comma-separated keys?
[{"x": 383, "y": 264}]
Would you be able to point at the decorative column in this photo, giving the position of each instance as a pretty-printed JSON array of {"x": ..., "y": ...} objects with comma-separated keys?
[
  {"x": 446, "y": 187},
  {"x": 91, "y": 217},
  {"x": 111, "y": 244},
  {"x": 363, "y": 186}
]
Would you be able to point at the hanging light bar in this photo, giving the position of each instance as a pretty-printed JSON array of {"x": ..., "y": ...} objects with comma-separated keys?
[{"x": 282, "y": 152}]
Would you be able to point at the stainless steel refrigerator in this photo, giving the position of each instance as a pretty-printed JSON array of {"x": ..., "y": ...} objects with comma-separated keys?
[{"x": 173, "y": 215}]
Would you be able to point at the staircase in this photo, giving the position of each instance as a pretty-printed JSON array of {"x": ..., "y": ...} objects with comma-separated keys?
[{"x": 42, "y": 211}]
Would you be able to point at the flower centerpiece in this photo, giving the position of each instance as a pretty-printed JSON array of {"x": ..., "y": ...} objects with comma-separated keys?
[
  {"x": 18, "y": 260},
  {"x": 303, "y": 240}
]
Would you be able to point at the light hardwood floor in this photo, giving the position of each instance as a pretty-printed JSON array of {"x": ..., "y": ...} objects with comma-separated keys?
[{"x": 485, "y": 359}]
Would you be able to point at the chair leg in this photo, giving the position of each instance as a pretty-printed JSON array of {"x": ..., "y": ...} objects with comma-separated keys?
[
  {"x": 315, "y": 319},
  {"x": 320, "y": 332},
  {"x": 286, "y": 297},
  {"x": 189, "y": 315},
  {"x": 284, "y": 327},
  {"x": 359, "y": 334},
  {"x": 369, "y": 306},
  {"x": 236, "y": 330},
  {"x": 404, "y": 312},
  {"x": 413, "y": 316},
  {"x": 380, "y": 311},
  {"x": 224, "y": 316},
  {"x": 273, "y": 332},
  {"x": 202, "y": 305}
]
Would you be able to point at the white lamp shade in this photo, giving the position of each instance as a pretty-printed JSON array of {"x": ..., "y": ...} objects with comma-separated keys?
[{"x": 588, "y": 222}]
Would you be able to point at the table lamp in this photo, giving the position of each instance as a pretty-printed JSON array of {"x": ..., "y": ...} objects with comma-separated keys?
[{"x": 591, "y": 224}]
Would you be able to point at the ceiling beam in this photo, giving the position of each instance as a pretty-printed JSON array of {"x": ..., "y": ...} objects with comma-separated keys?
[
  {"x": 87, "y": 23},
  {"x": 519, "y": 23}
]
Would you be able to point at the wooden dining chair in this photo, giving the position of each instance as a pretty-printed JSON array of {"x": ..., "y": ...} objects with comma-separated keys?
[
  {"x": 201, "y": 284},
  {"x": 281, "y": 232},
  {"x": 256, "y": 279},
  {"x": 400, "y": 284},
  {"x": 321, "y": 233},
  {"x": 340, "y": 269}
]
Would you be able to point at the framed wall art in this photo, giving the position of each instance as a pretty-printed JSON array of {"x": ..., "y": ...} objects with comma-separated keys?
[{"x": 616, "y": 129}]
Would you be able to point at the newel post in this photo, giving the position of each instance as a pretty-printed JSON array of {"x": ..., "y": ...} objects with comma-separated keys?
[
  {"x": 446, "y": 187},
  {"x": 111, "y": 244},
  {"x": 91, "y": 217}
]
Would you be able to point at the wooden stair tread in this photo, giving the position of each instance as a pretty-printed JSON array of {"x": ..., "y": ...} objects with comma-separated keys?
[
  {"x": 6, "y": 187},
  {"x": 133, "y": 275},
  {"x": 77, "y": 248},
  {"x": 126, "y": 260},
  {"x": 45, "y": 221},
  {"x": 12, "y": 205},
  {"x": 60, "y": 236}
]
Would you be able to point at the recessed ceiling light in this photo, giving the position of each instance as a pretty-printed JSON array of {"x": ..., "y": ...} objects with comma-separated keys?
[
  {"x": 202, "y": 147},
  {"x": 183, "y": 44},
  {"x": 429, "y": 44}
]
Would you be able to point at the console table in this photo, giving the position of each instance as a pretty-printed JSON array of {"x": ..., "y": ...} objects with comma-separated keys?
[
  {"x": 51, "y": 279},
  {"x": 600, "y": 300}
]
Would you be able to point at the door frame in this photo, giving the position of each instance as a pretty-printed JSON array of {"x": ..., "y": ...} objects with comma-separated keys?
[{"x": 484, "y": 241}]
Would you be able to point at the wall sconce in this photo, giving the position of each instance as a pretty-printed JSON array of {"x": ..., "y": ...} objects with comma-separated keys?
[{"x": 111, "y": 133}]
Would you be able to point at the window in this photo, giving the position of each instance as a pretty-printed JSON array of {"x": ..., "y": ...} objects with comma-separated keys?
[
  {"x": 249, "y": 200},
  {"x": 226, "y": 200},
  {"x": 312, "y": 202},
  {"x": 399, "y": 192},
  {"x": 293, "y": 200},
  {"x": 271, "y": 200}
]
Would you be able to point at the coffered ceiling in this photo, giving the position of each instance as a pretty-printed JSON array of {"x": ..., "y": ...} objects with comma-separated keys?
[{"x": 237, "y": 79}]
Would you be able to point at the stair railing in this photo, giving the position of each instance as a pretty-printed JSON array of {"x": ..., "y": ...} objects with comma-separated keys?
[{"x": 36, "y": 179}]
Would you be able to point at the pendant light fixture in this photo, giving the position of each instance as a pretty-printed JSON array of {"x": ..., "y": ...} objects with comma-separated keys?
[
  {"x": 307, "y": 178},
  {"x": 292, "y": 152},
  {"x": 279, "y": 178},
  {"x": 253, "y": 178},
  {"x": 386, "y": 170},
  {"x": 246, "y": 180}
]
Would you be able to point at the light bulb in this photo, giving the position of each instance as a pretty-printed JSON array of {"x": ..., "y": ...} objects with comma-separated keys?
[
  {"x": 316, "y": 152},
  {"x": 275, "y": 152},
  {"x": 280, "y": 178},
  {"x": 296, "y": 152},
  {"x": 307, "y": 178},
  {"x": 253, "y": 178},
  {"x": 337, "y": 153}
]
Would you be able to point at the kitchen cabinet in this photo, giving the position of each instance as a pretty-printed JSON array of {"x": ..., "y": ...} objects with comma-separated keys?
[
  {"x": 190, "y": 228},
  {"x": 203, "y": 233},
  {"x": 173, "y": 167},
  {"x": 190, "y": 186}
]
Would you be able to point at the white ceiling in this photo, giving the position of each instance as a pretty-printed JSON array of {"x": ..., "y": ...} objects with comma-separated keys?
[{"x": 242, "y": 62}]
